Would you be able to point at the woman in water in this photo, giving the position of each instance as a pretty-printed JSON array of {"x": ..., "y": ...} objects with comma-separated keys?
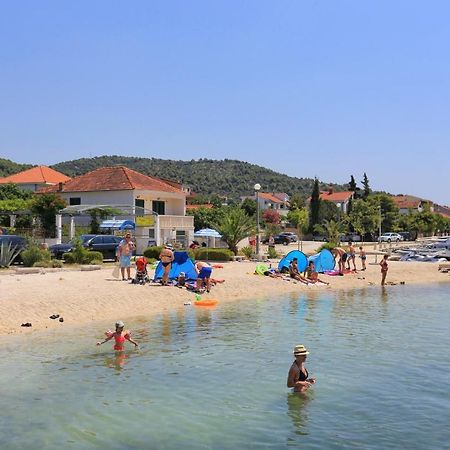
[
  {"x": 298, "y": 377},
  {"x": 120, "y": 335}
]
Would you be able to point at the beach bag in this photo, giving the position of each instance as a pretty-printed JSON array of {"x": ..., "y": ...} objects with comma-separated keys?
[{"x": 116, "y": 271}]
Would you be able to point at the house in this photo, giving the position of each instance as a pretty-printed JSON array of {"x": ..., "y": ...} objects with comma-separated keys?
[
  {"x": 407, "y": 203},
  {"x": 157, "y": 207},
  {"x": 36, "y": 178},
  {"x": 279, "y": 201},
  {"x": 340, "y": 199}
]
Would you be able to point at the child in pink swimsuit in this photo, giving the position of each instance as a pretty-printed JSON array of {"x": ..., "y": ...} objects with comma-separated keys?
[{"x": 119, "y": 337}]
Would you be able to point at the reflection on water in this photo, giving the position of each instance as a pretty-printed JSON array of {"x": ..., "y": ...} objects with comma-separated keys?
[{"x": 220, "y": 376}]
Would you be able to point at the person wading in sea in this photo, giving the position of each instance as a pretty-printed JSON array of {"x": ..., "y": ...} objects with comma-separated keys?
[{"x": 298, "y": 377}]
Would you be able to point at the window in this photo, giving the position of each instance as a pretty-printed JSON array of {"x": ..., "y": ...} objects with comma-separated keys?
[
  {"x": 109, "y": 240},
  {"x": 97, "y": 240},
  {"x": 159, "y": 207},
  {"x": 139, "y": 204},
  {"x": 74, "y": 201},
  {"x": 151, "y": 233}
]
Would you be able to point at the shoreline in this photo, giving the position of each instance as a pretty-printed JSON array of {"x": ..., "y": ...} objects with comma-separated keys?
[{"x": 83, "y": 297}]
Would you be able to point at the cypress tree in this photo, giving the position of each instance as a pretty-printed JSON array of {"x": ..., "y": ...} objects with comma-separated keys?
[
  {"x": 366, "y": 187},
  {"x": 314, "y": 205}
]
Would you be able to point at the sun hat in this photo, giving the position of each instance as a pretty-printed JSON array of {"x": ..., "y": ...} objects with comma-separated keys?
[
  {"x": 119, "y": 324},
  {"x": 300, "y": 350},
  {"x": 182, "y": 274}
]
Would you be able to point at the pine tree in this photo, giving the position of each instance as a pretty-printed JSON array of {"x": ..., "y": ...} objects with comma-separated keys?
[
  {"x": 366, "y": 187},
  {"x": 352, "y": 184},
  {"x": 314, "y": 205}
]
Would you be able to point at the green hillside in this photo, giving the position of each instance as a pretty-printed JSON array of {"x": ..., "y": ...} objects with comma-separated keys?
[
  {"x": 205, "y": 176},
  {"x": 8, "y": 167}
]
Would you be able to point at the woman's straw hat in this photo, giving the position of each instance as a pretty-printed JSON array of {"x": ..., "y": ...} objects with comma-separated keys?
[{"x": 300, "y": 350}]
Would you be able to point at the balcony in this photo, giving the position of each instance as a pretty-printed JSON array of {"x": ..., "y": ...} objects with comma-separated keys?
[{"x": 177, "y": 222}]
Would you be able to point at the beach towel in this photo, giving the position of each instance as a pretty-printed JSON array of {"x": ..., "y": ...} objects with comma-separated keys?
[{"x": 260, "y": 269}]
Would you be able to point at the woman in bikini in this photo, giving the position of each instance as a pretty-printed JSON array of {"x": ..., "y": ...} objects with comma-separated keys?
[
  {"x": 120, "y": 336},
  {"x": 166, "y": 257},
  {"x": 384, "y": 269},
  {"x": 298, "y": 377}
]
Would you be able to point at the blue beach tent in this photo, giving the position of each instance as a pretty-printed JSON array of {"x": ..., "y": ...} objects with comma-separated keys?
[
  {"x": 302, "y": 260},
  {"x": 181, "y": 263},
  {"x": 323, "y": 261}
]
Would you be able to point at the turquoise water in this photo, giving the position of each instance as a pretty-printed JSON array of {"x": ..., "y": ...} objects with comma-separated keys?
[{"x": 217, "y": 378}]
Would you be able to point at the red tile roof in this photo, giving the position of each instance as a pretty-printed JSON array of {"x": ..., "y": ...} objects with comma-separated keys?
[
  {"x": 332, "y": 196},
  {"x": 36, "y": 175},
  {"x": 408, "y": 201},
  {"x": 270, "y": 197},
  {"x": 117, "y": 178}
]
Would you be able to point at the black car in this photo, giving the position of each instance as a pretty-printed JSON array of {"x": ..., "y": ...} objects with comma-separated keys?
[
  {"x": 407, "y": 236},
  {"x": 292, "y": 236},
  {"x": 16, "y": 241},
  {"x": 279, "y": 239},
  {"x": 103, "y": 243}
]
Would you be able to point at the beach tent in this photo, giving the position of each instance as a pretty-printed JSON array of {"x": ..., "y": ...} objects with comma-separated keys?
[
  {"x": 302, "y": 260},
  {"x": 323, "y": 261},
  {"x": 181, "y": 263},
  {"x": 120, "y": 225}
]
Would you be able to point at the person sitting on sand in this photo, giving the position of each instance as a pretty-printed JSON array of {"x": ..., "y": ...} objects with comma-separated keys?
[
  {"x": 341, "y": 256},
  {"x": 384, "y": 269},
  {"x": 119, "y": 337},
  {"x": 204, "y": 271},
  {"x": 362, "y": 255},
  {"x": 166, "y": 257},
  {"x": 351, "y": 256},
  {"x": 181, "y": 280},
  {"x": 298, "y": 377},
  {"x": 312, "y": 275},
  {"x": 294, "y": 273}
]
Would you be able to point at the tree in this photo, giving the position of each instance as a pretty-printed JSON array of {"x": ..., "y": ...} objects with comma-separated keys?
[
  {"x": 205, "y": 217},
  {"x": 249, "y": 206},
  {"x": 11, "y": 191},
  {"x": 234, "y": 226},
  {"x": 352, "y": 187},
  {"x": 100, "y": 214},
  {"x": 46, "y": 206},
  {"x": 331, "y": 228},
  {"x": 364, "y": 217},
  {"x": 297, "y": 201},
  {"x": 328, "y": 211},
  {"x": 315, "y": 205},
  {"x": 389, "y": 211},
  {"x": 271, "y": 216},
  {"x": 366, "y": 188},
  {"x": 299, "y": 218}
]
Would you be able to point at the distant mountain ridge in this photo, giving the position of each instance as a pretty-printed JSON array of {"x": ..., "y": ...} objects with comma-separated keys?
[{"x": 228, "y": 177}]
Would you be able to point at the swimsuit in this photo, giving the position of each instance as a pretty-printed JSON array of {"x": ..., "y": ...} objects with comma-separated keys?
[
  {"x": 119, "y": 339},
  {"x": 125, "y": 261},
  {"x": 301, "y": 375},
  {"x": 165, "y": 264},
  {"x": 205, "y": 272}
]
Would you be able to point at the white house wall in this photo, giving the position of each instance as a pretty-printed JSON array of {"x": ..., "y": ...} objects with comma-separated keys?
[{"x": 101, "y": 197}]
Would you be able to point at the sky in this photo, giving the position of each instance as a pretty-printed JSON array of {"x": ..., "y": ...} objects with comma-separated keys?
[{"x": 304, "y": 87}]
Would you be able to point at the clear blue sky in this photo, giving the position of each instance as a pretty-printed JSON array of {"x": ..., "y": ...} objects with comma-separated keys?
[{"x": 307, "y": 88}]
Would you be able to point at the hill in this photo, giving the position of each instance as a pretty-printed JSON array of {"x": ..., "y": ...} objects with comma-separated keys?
[
  {"x": 205, "y": 176},
  {"x": 8, "y": 167}
]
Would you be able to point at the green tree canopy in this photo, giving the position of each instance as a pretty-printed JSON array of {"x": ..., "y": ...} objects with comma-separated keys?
[
  {"x": 11, "y": 191},
  {"x": 314, "y": 206},
  {"x": 46, "y": 206}
]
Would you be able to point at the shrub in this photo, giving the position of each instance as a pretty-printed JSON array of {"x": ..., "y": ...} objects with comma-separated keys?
[
  {"x": 33, "y": 254},
  {"x": 272, "y": 253},
  {"x": 247, "y": 251},
  {"x": 69, "y": 258},
  {"x": 153, "y": 252},
  {"x": 8, "y": 253},
  {"x": 80, "y": 255},
  {"x": 56, "y": 263},
  {"x": 43, "y": 263},
  {"x": 90, "y": 257},
  {"x": 96, "y": 262},
  {"x": 214, "y": 254}
]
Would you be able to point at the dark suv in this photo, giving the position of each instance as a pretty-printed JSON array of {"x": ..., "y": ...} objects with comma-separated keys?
[
  {"x": 16, "y": 241},
  {"x": 103, "y": 243},
  {"x": 279, "y": 239}
]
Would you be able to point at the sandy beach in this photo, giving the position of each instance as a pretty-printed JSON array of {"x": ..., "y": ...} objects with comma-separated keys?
[{"x": 81, "y": 297}]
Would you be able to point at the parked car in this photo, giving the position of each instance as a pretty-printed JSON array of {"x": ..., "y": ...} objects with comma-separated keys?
[
  {"x": 354, "y": 237},
  {"x": 320, "y": 237},
  {"x": 279, "y": 239},
  {"x": 408, "y": 236},
  {"x": 103, "y": 243},
  {"x": 292, "y": 236},
  {"x": 390, "y": 237},
  {"x": 16, "y": 241}
]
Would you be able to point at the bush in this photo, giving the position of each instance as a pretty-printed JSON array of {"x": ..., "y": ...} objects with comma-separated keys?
[
  {"x": 33, "y": 254},
  {"x": 214, "y": 254},
  {"x": 247, "y": 251},
  {"x": 85, "y": 257},
  {"x": 96, "y": 262},
  {"x": 90, "y": 257},
  {"x": 272, "y": 253},
  {"x": 153, "y": 252},
  {"x": 327, "y": 245},
  {"x": 69, "y": 258},
  {"x": 45, "y": 264}
]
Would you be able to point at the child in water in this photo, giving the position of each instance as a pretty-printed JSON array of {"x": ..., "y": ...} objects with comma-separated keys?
[{"x": 120, "y": 335}]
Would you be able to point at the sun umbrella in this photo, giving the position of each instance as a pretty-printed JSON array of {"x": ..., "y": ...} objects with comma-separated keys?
[{"x": 208, "y": 233}]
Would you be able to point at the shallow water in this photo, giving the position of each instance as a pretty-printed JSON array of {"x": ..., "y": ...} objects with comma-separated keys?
[{"x": 217, "y": 378}]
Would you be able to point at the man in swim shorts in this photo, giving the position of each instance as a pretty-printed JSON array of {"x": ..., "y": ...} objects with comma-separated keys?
[
  {"x": 204, "y": 271},
  {"x": 340, "y": 254},
  {"x": 166, "y": 257},
  {"x": 123, "y": 255}
]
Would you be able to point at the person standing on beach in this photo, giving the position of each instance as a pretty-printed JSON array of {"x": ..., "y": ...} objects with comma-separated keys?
[
  {"x": 384, "y": 269},
  {"x": 362, "y": 255},
  {"x": 123, "y": 255},
  {"x": 166, "y": 257},
  {"x": 298, "y": 377},
  {"x": 341, "y": 256},
  {"x": 351, "y": 256}
]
